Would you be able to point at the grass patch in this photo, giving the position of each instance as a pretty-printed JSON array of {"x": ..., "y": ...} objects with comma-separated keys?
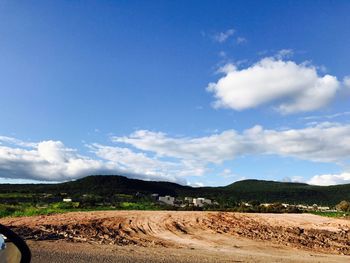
[
  {"x": 16, "y": 195},
  {"x": 331, "y": 214},
  {"x": 138, "y": 206},
  {"x": 29, "y": 209}
]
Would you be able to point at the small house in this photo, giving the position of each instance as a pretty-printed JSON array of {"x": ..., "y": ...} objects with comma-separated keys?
[
  {"x": 200, "y": 202},
  {"x": 169, "y": 200}
]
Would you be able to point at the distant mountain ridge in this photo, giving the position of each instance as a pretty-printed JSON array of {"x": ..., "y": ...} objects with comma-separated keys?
[{"x": 246, "y": 190}]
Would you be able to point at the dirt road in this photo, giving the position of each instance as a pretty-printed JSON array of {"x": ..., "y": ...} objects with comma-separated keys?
[
  {"x": 168, "y": 236},
  {"x": 239, "y": 250}
]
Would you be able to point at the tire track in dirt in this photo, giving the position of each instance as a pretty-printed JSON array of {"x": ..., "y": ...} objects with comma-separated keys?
[{"x": 188, "y": 229}]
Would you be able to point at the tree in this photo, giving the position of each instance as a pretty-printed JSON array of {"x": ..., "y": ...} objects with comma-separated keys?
[
  {"x": 254, "y": 203},
  {"x": 343, "y": 206}
]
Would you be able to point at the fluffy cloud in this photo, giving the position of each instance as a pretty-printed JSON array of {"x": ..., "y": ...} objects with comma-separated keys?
[
  {"x": 211, "y": 149},
  {"x": 53, "y": 161},
  {"x": 158, "y": 156},
  {"x": 330, "y": 179},
  {"x": 292, "y": 87},
  {"x": 47, "y": 160},
  {"x": 325, "y": 142},
  {"x": 138, "y": 163}
]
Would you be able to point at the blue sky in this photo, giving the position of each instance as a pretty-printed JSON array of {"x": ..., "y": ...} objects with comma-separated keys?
[{"x": 197, "y": 92}]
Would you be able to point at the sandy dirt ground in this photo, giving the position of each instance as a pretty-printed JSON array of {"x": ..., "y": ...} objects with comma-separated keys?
[{"x": 169, "y": 236}]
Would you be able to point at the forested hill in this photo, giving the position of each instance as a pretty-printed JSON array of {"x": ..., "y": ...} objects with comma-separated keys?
[{"x": 246, "y": 190}]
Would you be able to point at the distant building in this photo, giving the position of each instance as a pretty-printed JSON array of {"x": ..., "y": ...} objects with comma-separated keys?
[
  {"x": 324, "y": 208},
  {"x": 188, "y": 199},
  {"x": 167, "y": 199},
  {"x": 67, "y": 200},
  {"x": 314, "y": 207},
  {"x": 302, "y": 207},
  {"x": 154, "y": 196},
  {"x": 200, "y": 202}
]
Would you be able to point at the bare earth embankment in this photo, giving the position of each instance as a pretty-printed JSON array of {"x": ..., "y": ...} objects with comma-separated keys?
[{"x": 169, "y": 236}]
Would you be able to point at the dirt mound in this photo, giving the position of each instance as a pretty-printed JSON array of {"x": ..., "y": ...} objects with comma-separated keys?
[
  {"x": 312, "y": 238},
  {"x": 188, "y": 229}
]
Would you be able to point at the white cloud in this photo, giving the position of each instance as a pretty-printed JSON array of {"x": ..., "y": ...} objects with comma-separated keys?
[
  {"x": 328, "y": 116},
  {"x": 139, "y": 163},
  {"x": 241, "y": 40},
  {"x": 52, "y": 161},
  {"x": 210, "y": 149},
  {"x": 227, "y": 173},
  {"x": 196, "y": 184},
  {"x": 14, "y": 141},
  {"x": 346, "y": 82},
  {"x": 54, "y": 152},
  {"x": 47, "y": 160},
  {"x": 292, "y": 87},
  {"x": 330, "y": 179},
  {"x": 226, "y": 69},
  {"x": 293, "y": 179},
  {"x": 284, "y": 53},
  {"x": 223, "y": 36},
  {"x": 158, "y": 156},
  {"x": 325, "y": 142}
]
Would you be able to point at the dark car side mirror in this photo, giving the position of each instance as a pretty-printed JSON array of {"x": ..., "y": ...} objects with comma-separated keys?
[{"x": 13, "y": 249}]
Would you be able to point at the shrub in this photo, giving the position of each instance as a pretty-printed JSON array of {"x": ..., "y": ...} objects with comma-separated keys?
[{"x": 343, "y": 206}]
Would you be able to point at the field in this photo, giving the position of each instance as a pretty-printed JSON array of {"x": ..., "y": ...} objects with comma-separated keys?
[{"x": 174, "y": 236}]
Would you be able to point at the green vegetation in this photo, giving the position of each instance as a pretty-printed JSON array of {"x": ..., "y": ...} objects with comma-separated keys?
[
  {"x": 16, "y": 195},
  {"x": 292, "y": 193},
  {"x": 118, "y": 192},
  {"x": 25, "y": 209},
  {"x": 343, "y": 210},
  {"x": 331, "y": 214},
  {"x": 138, "y": 206},
  {"x": 343, "y": 206},
  {"x": 109, "y": 186}
]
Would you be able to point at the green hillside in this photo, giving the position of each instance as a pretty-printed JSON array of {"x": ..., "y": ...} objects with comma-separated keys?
[
  {"x": 247, "y": 190},
  {"x": 270, "y": 191}
]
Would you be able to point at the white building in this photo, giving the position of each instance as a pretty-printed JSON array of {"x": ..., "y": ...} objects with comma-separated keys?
[
  {"x": 200, "y": 202},
  {"x": 188, "y": 199},
  {"x": 167, "y": 199},
  {"x": 324, "y": 208},
  {"x": 67, "y": 200}
]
